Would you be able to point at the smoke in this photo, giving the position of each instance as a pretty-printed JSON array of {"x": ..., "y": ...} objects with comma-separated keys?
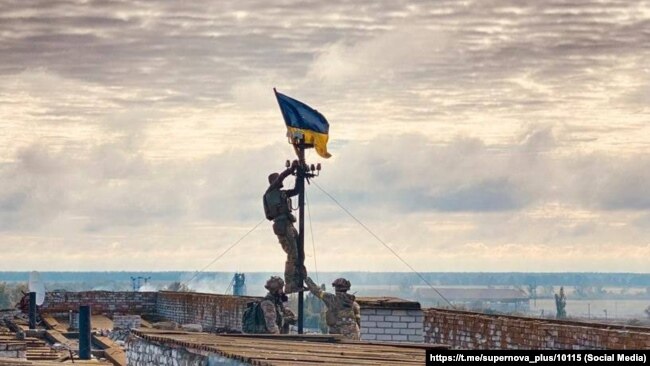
[
  {"x": 208, "y": 285},
  {"x": 147, "y": 288},
  {"x": 103, "y": 288}
]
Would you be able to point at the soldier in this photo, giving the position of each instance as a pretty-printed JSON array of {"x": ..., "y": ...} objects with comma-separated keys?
[
  {"x": 276, "y": 315},
  {"x": 343, "y": 313},
  {"x": 277, "y": 207}
]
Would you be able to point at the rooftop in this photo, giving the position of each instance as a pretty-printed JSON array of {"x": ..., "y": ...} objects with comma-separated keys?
[
  {"x": 392, "y": 302},
  {"x": 475, "y": 294},
  {"x": 50, "y": 344},
  {"x": 281, "y": 350}
]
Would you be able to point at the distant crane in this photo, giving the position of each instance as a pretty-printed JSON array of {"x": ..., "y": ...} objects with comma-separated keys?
[
  {"x": 136, "y": 282},
  {"x": 238, "y": 284}
]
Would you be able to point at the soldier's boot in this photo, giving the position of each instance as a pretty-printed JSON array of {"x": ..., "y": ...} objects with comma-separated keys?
[
  {"x": 299, "y": 277},
  {"x": 301, "y": 271},
  {"x": 290, "y": 285}
]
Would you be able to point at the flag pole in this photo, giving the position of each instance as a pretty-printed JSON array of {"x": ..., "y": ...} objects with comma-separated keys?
[
  {"x": 301, "y": 230},
  {"x": 303, "y": 173}
]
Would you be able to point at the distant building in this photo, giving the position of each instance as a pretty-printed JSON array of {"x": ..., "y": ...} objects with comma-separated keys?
[{"x": 498, "y": 299}]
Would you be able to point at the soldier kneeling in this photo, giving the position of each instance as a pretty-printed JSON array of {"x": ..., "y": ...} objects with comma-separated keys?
[{"x": 269, "y": 316}]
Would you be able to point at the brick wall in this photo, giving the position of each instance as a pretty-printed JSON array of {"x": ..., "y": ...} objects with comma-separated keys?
[
  {"x": 214, "y": 312},
  {"x": 394, "y": 325},
  {"x": 10, "y": 347},
  {"x": 126, "y": 321},
  {"x": 468, "y": 330},
  {"x": 13, "y": 351},
  {"x": 391, "y": 320},
  {"x": 142, "y": 352},
  {"x": 101, "y": 302}
]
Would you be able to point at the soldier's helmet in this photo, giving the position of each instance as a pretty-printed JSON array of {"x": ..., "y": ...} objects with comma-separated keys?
[
  {"x": 341, "y": 284},
  {"x": 274, "y": 283},
  {"x": 273, "y": 177}
]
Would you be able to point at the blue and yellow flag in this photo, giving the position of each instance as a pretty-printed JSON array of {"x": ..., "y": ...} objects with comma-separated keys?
[{"x": 302, "y": 118}]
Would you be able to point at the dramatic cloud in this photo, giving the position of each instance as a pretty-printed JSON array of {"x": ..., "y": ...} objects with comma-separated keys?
[{"x": 481, "y": 135}]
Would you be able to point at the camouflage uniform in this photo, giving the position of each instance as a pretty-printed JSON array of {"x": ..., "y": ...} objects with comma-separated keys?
[
  {"x": 277, "y": 317},
  {"x": 277, "y": 207},
  {"x": 288, "y": 238},
  {"x": 343, "y": 313}
]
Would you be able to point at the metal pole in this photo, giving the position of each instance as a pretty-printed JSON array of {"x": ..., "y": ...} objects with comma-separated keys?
[
  {"x": 84, "y": 332},
  {"x": 32, "y": 310},
  {"x": 301, "y": 232}
]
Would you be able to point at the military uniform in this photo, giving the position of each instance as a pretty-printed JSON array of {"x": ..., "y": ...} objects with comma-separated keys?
[
  {"x": 276, "y": 315},
  {"x": 343, "y": 313},
  {"x": 277, "y": 207}
]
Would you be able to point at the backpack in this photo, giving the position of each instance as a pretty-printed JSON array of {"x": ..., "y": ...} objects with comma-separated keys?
[
  {"x": 253, "y": 321},
  {"x": 276, "y": 203}
]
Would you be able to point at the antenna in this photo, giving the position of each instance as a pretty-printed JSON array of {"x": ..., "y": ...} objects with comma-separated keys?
[{"x": 36, "y": 285}]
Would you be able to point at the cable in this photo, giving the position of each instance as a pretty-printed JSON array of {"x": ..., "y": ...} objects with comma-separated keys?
[
  {"x": 384, "y": 243},
  {"x": 311, "y": 233},
  {"x": 229, "y": 286},
  {"x": 225, "y": 251}
]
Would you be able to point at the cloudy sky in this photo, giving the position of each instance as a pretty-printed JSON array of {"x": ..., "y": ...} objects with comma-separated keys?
[{"x": 478, "y": 135}]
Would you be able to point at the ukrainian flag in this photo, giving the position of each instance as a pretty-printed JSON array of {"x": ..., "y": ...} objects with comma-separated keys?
[{"x": 303, "y": 119}]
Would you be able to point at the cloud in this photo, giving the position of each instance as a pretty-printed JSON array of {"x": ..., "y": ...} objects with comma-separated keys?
[
  {"x": 517, "y": 125},
  {"x": 34, "y": 190},
  {"x": 408, "y": 173},
  {"x": 640, "y": 95},
  {"x": 485, "y": 196},
  {"x": 384, "y": 57},
  {"x": 112, "y": 186},
  {"x": 613, "y": 184},
  {"x": 255, "y": 93}
]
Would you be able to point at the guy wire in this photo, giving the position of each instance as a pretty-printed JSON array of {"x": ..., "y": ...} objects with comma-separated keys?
[
  {"x": 384, "y": 244},
  {"x": 225, "y": 251},
  {"x": 311, "y": 233}
]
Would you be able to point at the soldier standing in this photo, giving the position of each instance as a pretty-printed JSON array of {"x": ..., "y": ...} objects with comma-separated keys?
[
  {"x": 276, "y": 315},
  {"x": 277, "y": 207},
  {"x": 343, "y": 313}
]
